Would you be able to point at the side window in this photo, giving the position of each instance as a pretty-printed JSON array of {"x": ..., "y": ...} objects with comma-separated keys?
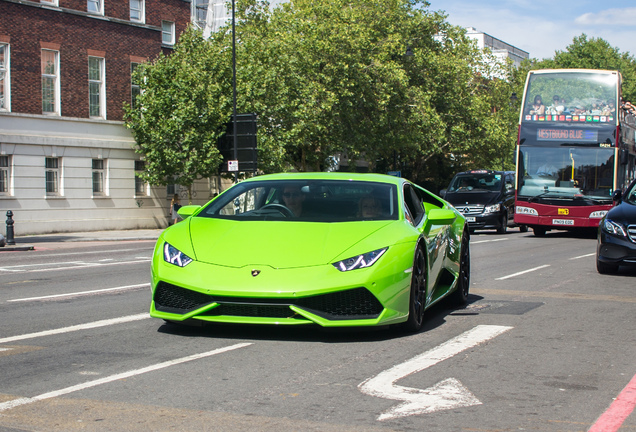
[
  {"x": 413, "y": 204},
  {"x": 5, "y": 175}
]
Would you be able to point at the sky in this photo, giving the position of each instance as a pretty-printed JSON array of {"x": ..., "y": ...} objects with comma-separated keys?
[{"x": 541, "y": 27}]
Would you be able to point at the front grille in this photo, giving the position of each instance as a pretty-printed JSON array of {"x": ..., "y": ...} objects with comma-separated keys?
[
  {"x": 470, "y": 209},
  {"x": 172, "y": 298},
  {"x": 631, "y": 231},
  {"x": 357, "y": 303}
]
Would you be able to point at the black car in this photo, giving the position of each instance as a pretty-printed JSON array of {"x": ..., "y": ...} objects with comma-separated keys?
[
  {"x": 617, "y": 233},
  {"x": 485, "y": 197}
]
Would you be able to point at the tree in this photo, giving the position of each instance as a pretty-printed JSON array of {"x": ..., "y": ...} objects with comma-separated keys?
[{"x": 181, "y": 112}]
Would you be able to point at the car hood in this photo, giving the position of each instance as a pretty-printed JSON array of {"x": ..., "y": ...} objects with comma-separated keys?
[
  {"x": 473, "y": 197},
  {"x": 624, "y": 213},
  {"x": 276, "y": 244}
]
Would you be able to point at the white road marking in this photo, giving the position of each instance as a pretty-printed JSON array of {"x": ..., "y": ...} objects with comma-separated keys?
[
  {"x": 77, "y": 265},
  {"x": 523, "y": 272},
  {"x": 94, "y": 324},
  {"x": 27, "y": 400},
  {"x": 583, "y": 256},
  {"x": 447, "y": 394},
  {"x": 80, "y": 293},
  {"x": 488, "y": 241}
]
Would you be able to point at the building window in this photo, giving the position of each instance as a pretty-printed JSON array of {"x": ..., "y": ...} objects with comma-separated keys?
[
  {"x": 99, "y": 177},
  {"x": 135, "y": 88},
  {"x": 50, "y": 2},
  {"x": 5, "y": 175},
  {"x": 52, "y": 173},
  {"x": 199, "y": 12},
  {"x": 167, "y": 32},
  {"x": 4, "y": 78},
  {"x": 137, "y": 11},
  {"x": 96, "y": 87},
  {"x": 95, "y": 6},
  {"x": 140, "y": 185},
  {"x": 50, "y": 82}
]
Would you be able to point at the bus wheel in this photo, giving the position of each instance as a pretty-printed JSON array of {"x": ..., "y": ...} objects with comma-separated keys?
[
  {"x": 523, "y": 228},
  {"x": 539, "y": 231}
]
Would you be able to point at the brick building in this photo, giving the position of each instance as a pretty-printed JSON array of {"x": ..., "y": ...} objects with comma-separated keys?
[{"x": 66, "y": 160}]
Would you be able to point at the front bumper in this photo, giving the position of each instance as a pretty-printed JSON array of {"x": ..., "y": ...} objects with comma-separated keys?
[
  {"x": 484, "y": 220},
  {"x": 378, "y": 295},
  {"x": 616, "y": 250}
]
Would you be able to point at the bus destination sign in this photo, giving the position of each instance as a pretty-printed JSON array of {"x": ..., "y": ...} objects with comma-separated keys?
[{"x": 567, "y": 135}]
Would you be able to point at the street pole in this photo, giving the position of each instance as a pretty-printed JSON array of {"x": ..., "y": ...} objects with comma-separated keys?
[{"x": 234, "y": 125}]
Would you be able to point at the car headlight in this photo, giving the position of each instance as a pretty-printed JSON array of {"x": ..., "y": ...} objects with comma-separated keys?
[
  {"x": 360, "y": 261},
  {"x": 492, "y": 208},
  {"x": 614, "y": 228},
  {"x": 598, "y": 214},
  {"x": 174, "y": 256},
  {"x": 526, "y": 210}
]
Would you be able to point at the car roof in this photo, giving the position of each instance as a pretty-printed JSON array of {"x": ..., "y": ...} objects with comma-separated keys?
[
  {"x": 378, "y": 178},
  {"x": 484, "y": 172}
]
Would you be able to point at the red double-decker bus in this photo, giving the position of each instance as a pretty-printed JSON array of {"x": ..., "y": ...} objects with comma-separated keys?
[{"x": 575, "y": 147}]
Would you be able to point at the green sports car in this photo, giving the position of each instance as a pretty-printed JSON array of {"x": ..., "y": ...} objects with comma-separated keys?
[{"x": 333, "y": 249}]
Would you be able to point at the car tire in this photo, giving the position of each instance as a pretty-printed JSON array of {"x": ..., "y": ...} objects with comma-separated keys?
[
  {"x": 504, "y": 224},
  {"x": 606, "y": 268},
  {"x": 417, "y": 298},
  {"x": 539, "y": 231},
  {"x": 460, "y": 295}
]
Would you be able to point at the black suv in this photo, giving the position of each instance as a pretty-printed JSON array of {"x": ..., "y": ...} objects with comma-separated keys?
[{"x": 486, "y": 198}]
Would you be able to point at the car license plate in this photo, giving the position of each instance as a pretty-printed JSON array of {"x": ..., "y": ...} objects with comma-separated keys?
[
  {"x": 562, "y": 221},
  {"x": 470, "y": 219}
]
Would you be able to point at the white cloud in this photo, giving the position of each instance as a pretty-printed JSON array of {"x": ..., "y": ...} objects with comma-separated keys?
[{"x": 609, "y": 17}]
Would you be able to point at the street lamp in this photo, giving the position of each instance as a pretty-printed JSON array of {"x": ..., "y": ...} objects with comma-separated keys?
[{"x": 234, "y": 125}]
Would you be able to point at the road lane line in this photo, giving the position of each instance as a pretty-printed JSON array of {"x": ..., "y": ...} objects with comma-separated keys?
[
  {"x": 612, "y": 419},
  {"x": 583, "y": 256},
  {"x": 79, "y": 265},
  {"x": 91, "y": 325},
  {"x": 27, "y": 400},
  {"x": 80, "y": 293},
  {"x": 523, "y": 272},
  {"x": 488, "y": 241}
]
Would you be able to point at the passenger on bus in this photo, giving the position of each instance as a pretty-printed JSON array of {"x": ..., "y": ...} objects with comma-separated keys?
[
  {"x": 537, "y": 107},
  {"x": 557, "y": 106}
]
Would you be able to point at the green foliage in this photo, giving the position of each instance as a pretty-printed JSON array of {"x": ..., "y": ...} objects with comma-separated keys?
[
  {"x": 330, "y": 78},
  {"x": 181, "y": 112}
]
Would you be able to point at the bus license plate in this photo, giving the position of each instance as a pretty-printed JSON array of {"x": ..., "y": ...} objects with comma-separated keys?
[
  {"x": 470, "y": 219},
  {"x": 562, "y": 221}
]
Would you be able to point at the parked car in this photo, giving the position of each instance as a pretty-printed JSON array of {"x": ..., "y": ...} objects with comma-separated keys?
[
  {"x": 332, "y": 249},
  {"x": 617, "y": 233},
  {"x": 486, "y": 198}
]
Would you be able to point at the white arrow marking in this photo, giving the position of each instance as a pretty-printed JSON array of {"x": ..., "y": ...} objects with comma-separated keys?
[{"x": 446, "y": 394}]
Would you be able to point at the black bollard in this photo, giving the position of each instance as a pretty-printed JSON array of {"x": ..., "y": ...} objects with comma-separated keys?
[{"x": 10, "y": 239}]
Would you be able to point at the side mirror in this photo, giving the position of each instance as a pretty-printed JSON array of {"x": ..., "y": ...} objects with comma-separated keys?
[
  {"x": 617, "y": 196},
  {"x": 441, "y": 216},
  {"x": 187, "y": 211},
  {"x": 442, "y": 193}
]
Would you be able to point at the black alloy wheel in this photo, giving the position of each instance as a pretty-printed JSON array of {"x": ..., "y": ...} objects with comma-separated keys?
[
  {"x": 460, "y": 295},
  {"x": 504, "y": 224},
  {"x": 417, "y": 302}
]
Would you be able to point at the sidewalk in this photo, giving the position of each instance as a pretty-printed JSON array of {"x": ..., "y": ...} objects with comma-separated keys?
[{"x": 26, "y": 243}]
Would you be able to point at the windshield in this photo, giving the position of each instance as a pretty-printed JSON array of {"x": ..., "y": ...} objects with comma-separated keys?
[
  {"x": 573, "y": 173},
  {"x": 466, "y": 182},
  {"x": 630, "y": 194},
  {"x": 590, "y": 97},
  {"x": 306, "y": 200}
]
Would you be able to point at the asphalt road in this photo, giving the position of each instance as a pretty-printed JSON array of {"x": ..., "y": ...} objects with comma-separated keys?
[{"x": 546, "y": 344}]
